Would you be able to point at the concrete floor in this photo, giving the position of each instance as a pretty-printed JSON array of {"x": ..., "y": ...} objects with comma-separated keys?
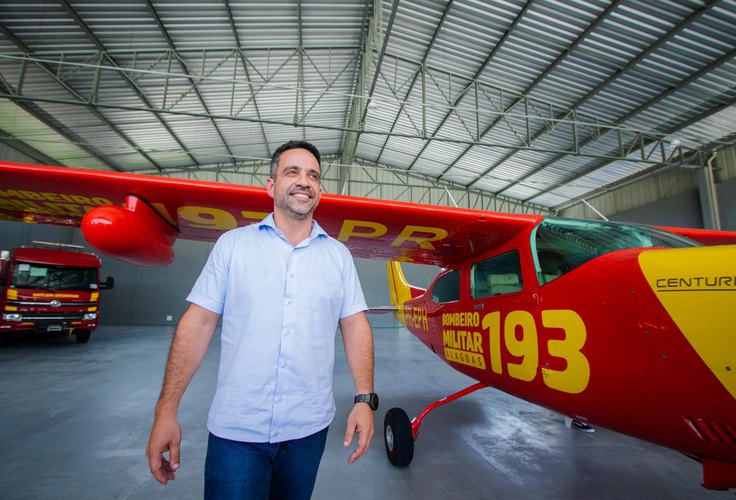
[{"x": 75, "y": 421}]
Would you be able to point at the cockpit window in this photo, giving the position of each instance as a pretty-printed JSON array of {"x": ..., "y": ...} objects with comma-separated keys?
[
  {"x": 561, "y": 245},
  {"x": 497, "y": 276}
]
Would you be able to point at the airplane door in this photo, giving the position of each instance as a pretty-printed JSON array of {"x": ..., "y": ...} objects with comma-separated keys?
[{"x": 499, "y": 302}]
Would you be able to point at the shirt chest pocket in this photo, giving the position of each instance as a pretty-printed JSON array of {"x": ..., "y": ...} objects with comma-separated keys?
[{"x": 321, "y": 290}]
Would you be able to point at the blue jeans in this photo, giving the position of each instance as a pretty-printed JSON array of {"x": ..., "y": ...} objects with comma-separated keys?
[{"x": 288, "y": 470}]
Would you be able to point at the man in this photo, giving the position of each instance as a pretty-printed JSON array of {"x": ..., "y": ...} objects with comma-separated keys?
[{"x": 281, "y": 287}]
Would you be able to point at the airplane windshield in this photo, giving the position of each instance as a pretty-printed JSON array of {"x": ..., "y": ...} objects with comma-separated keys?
[{"x": 564, "y": 244}]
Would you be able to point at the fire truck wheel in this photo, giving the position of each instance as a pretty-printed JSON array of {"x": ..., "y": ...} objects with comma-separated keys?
[
  {"x": 82, "y": 336},
  {"x": 398, "y": 437}
]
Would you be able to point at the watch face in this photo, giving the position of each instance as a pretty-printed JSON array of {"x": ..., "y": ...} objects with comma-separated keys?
[{"x": 371, "y": 399}]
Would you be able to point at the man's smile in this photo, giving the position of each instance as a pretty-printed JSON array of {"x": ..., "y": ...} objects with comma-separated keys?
[{"x": 301, "y": 194}]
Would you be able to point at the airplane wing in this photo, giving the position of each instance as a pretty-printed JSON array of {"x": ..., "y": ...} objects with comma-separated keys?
[
  {"x": 704, "y": 236},
  {"x": 137, "y": 218}
]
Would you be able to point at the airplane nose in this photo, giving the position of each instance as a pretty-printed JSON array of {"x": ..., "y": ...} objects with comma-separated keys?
[{"x": 697, "y": 288}]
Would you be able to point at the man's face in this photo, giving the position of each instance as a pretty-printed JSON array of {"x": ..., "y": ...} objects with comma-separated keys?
[{"x": 296, "y": 189}]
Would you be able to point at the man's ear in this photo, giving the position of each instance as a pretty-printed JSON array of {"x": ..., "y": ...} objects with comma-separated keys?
[{"x": 269, "y": 186}]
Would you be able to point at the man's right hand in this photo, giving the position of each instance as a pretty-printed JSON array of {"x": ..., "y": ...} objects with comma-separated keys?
[
  {"x": 193, "y": 334},
  {"x": 165, "y": 436}
]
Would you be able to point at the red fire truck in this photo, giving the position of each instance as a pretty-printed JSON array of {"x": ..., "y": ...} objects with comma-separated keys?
[{"x": 50, "y": 289}]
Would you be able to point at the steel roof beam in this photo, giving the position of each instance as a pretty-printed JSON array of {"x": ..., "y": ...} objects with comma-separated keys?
[
  {"x": 243, "y": 61},
  {"x": 690, "y": 79},
  {"x": 685, "y": 158},
  {"x": 477, "y": 75},
  {"x": 259, "y": 171},
  {"x": 359, "y": 103},
  {"x": 186, "y": 72},
  {"x": 614, "y": 76},
  {"x": 452, "y": 140},
  {"x": 61, "y": 129},
  {"x": 598, "y": 21},
  {"x": 102, "y": 50},
  {"x": 26, "y": 149},
  {"x": 423, "y": 62}
]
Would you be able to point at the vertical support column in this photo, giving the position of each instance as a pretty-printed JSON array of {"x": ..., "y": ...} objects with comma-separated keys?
[
  {"x": 359, "y": 103},
  {"x": 708, "y": 196}
]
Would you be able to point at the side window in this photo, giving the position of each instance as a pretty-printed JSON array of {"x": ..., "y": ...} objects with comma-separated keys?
[
  {"x": 496, "y": 276},
  {"x": 447, "y": 288},
  {"x": 552, "y": 265}
]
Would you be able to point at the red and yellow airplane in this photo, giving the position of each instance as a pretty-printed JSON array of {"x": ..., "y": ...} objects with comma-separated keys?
[{"x": 624, "y": 326}]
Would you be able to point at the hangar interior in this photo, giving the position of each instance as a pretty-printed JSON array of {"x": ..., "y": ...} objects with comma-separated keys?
[{"x": 623, "y": 109}]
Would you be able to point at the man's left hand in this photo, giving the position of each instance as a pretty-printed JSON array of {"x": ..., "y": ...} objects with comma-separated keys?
[{"x": 360, "y": 420}]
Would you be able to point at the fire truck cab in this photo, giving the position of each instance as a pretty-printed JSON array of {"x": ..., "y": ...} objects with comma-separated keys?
[{"x": 50, "y": 289}]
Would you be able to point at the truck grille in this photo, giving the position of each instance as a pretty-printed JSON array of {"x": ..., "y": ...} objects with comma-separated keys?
[
  {"x": 25, "y": 303},
  {"x": 52, "y": 316}
]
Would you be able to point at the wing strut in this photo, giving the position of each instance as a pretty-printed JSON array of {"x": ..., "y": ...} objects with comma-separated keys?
[{"x": 417, "y": 422}]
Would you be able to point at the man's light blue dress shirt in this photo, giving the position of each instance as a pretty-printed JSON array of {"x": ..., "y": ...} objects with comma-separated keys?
[{"x": 280, "y": 306}]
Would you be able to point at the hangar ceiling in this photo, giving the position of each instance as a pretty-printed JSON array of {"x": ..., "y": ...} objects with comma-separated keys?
[{"x": 541, "y": 102}]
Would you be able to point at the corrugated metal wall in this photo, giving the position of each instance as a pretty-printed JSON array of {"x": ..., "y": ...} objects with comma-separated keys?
[
  {"x": 648, "y": 190},
  {"x": 380, "y": 183},
  {"x": 725, "y": 165},
  {"x": 667, "y": 184}
]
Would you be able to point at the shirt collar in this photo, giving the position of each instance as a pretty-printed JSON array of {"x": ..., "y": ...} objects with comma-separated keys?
[{"x": 268, "y": 222}]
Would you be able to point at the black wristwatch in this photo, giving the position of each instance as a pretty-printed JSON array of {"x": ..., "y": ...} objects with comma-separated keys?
[{"x": 371, "y": 399}]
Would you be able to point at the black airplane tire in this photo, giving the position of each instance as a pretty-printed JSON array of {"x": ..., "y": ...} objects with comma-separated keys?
[
  {"x": 398, "y": 437},
  {"x": 82, "y": 336}
]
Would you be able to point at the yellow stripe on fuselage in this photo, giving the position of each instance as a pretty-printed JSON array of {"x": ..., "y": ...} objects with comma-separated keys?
[{"x": 697, "y": 287}]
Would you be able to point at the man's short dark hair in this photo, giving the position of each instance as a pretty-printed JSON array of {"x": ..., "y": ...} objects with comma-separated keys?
[{"x": 293, "y": 145}]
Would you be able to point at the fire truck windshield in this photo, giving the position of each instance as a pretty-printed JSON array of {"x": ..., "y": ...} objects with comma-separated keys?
[{"x": 53, "y": 277}]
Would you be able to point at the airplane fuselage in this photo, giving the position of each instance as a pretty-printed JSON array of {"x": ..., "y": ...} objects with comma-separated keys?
[{"x": 600, "y": 342}]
